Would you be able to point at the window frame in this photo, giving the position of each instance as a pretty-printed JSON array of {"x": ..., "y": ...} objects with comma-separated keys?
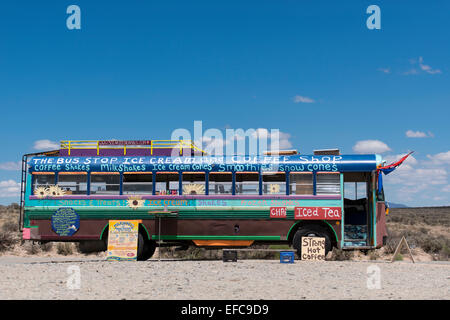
[
  {"x": 225, "y": 173},
  {"x": 312, "y": 185},
  {"x": 106, "y": 174},
  {"x": 76, "y": 173},
  {"x": 258, "y": 174},
  {"x": 40, "y": 173},
  {"x": 318, "y": 173},
  {"x": 168, "y": 182},
  {"x": 283, "y": 182},
  {"x": 193, "y": 173},
  {"x": 123, "y": 183}
]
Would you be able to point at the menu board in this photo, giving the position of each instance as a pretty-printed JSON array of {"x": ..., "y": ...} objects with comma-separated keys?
[
  {"x": 313, "y": 248},
  {"x": 123, "y": 240},
  {"x": 65, "y": 221}
]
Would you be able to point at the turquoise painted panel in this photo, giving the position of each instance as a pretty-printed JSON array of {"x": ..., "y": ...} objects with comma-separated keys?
[{"x": 186, "y": 204}]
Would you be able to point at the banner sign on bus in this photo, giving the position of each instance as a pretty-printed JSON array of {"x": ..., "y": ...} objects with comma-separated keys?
[
  {"x": 278, "y": 212},
  {"x": 315, "y": 213},
  {"x": 125, "y": 143},
  {"x": 123, "y": 240},
  {"x": 205, "y": 163}
]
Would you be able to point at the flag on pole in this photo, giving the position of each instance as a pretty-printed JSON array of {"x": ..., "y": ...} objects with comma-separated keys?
[{"x": 388, "y": 169}]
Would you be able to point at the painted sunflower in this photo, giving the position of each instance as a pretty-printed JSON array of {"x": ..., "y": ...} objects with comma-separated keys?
[
  {"x": 135, "y": 202},
  {"x": 55, "y": 191},
  {"x": 193, "y": 188},
  {"x": 274, "y": 188},
  {"x": 41, "y": 192}
]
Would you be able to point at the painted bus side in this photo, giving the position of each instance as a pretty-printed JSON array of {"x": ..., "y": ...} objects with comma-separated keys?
[{"x": 204, "y": 219}]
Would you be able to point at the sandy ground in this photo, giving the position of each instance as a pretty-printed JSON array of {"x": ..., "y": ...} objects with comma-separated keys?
[{"x": 56, "y": 278}]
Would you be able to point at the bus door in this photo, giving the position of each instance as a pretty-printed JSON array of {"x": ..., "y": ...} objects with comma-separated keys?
[{"x": 357, "y": 210}]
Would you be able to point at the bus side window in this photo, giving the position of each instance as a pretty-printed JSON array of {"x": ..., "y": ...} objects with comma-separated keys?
[
  {"x": 105, "y": 183},
  {"x": 220, "y": 183},
  {"x": 247, "y": 183},
  {"x": 301, "y": 183},
  {"x": 167, "y": 183},
  {"x": 137, "y": 183},
  {"x": 274, "y": 183},
  {"x": 42, "y": 180},
  {"x": 355, "y": 190},
  {"x": 72, "y": 183},
  {"x": 328, "y": 183},
  {"x": 193, "y": 183}
]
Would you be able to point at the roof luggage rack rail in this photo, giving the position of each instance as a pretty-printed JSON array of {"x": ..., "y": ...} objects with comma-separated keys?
[{"x": 147, "y": 146}]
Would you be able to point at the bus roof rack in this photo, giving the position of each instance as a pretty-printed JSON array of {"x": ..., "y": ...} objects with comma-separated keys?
[
  {"x": 327, "y": 152},
  {"x": 87, "y": 148},
  {"x": 281, "y": 152}
]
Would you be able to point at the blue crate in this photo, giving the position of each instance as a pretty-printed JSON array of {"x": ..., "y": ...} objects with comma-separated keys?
[{"x": 287, "y": 257}]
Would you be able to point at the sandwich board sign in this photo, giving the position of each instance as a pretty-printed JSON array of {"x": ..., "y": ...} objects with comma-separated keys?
[
  {"x": 313, "y": 249},
  {"x": 123, "y": 240}
]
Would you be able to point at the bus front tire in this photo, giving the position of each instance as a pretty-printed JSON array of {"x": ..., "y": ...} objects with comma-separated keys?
[{"x": 311, "y": 230}]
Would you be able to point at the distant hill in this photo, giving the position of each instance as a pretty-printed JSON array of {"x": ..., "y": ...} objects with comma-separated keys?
[{"x": 397, "y": 205}]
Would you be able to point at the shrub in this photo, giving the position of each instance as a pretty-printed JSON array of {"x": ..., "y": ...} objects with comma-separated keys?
[
  {"x": 444, "y": 254},
  {"x": 398, "y": 257},
  {"x": 7, "y": 240},
  {"x": 340, "y": 255},
  {"x": 196, "y": 253},
  {"x": 32, "y": 248},
  {"x": 431, "y": 245},
  {"x": 374, "y": 255},
  {"x": 64, "y": 248},
  {"x": 46, "y": 246},
  {"x": 10, "y": 226}
]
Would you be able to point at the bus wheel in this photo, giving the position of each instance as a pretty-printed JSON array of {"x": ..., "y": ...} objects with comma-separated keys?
[
  {"x": 146, "y": 248},
  {"x": 310, "y": 230}
]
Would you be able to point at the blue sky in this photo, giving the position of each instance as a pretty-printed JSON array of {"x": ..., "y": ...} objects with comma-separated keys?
[{"x": 312, "y": 69}]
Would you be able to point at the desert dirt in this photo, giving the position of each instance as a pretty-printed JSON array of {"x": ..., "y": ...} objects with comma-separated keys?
[
  {"x": 55, "y": 278},
  {"x": 33, "y": 271}
]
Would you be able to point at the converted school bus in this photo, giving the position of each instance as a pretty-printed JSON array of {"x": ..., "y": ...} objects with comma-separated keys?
[{"x": 183, "y": 197}]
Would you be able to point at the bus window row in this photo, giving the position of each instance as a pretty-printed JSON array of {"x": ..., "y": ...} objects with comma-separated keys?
[{"x": 174, "y": 183}]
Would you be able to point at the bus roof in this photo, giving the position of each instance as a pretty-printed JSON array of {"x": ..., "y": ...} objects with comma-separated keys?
[{"x": 272, "y": 163}]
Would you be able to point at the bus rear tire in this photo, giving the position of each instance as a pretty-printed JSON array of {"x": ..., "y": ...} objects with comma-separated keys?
[
  {"x": 146, "y": 248},
  {"x": 311, "y": 230}
]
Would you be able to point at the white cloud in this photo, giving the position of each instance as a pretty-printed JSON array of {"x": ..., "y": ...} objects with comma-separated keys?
[
  {"x": 45, "y": 145},
  {"x": 418, "y": 178},
  {"x": 278, "y": 139},
  {"x": 9, "y": 188},
  {"x": 406, "y": 165},
  {"x": 262, "y": 133},
  {"x": 418, "y": 182},
  {"x": 283, "y": 142},
  {"x": 11, "y": 166},
  {"x": 418, "y": 134},
  {"x": 416, "y": 173},
  {"x": 302, "y": 99},
  {"x": 421, "y": 67},
  {"x": 247, "y": 141},
  {"x": 440, "y": 158},
  {"x": 411, "y": 71},
  {"x": 427, "y": 68},
  {"x": 385, "y": 70},
  {"x": 370, "y": 146}
]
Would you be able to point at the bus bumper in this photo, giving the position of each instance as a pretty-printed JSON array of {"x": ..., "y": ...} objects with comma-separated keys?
[{"x": 30, "y": 234}]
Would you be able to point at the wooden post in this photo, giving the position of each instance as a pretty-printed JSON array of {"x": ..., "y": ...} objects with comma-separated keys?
[{"x": 399, "y": 246}]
